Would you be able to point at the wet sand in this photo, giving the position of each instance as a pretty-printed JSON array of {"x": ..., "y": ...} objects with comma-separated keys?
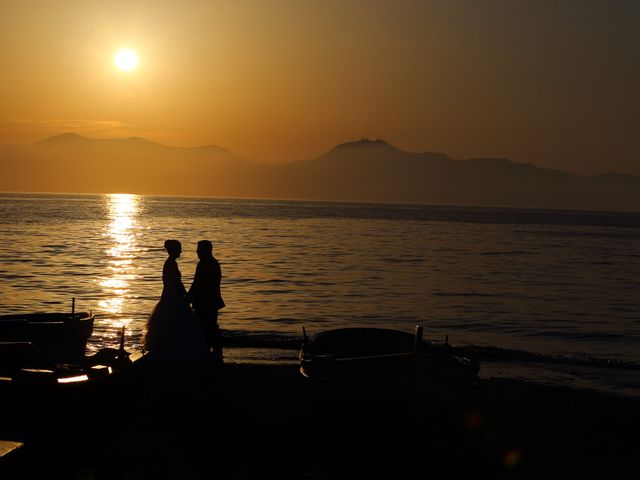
[{"x": 260, "y": 421}]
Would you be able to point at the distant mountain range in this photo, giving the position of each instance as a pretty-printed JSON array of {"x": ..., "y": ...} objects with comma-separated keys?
[{"x": 366, "y": 170}]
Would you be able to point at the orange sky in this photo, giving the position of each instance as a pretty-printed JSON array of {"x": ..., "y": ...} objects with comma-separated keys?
[{"x": 547, "y": 82}]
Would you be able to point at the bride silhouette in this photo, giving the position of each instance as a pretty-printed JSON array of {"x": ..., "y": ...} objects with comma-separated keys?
[{"x": 172, "y": 333}]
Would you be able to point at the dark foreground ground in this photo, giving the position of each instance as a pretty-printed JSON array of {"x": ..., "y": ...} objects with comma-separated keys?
[{"x": 265, "y": 421}]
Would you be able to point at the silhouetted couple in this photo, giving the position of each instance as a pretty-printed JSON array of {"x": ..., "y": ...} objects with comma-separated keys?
[{"x": 174, "y": 331}]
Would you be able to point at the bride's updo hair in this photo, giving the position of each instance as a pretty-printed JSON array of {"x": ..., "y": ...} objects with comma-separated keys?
[{"x": 172, "y": 246}]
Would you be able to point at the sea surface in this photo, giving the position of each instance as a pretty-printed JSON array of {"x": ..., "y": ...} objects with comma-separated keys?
[{"x": 544, "y": 295}]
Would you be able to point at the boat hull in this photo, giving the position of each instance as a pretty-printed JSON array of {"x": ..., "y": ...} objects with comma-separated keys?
[
  {"x": 40, "y": 398},
  {"x": 62, "y": 337},
  {"x": 379, "y": 356}
]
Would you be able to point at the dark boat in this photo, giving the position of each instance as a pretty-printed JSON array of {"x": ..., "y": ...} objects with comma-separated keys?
[
  {"x": 61, "y": 336},
  {"x": 39, "y": 396},
  {"x": 354, "y": 354},
  {"x": 24, "y": 367},
  {"x": 27, "y": 371}
]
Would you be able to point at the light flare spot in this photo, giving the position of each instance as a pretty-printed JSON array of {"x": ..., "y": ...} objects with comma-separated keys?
[
  {"x": 512, "y": 458},
  {"x": 126, "y": 59}
]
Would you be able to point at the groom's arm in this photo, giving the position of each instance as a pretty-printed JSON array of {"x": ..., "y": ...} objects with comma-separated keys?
[{"x": 195, "y": 285}]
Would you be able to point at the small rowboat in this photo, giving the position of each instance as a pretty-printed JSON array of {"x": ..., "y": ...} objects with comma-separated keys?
[
  {"x": 61, "y": 336},
  {"x": 22, "y": 364},
  {"x": 361, "y": 353},
  {"x": 38, "y": 396}
]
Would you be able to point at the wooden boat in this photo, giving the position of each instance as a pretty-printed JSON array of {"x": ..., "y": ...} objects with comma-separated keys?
[
  {"x": 24, "y": 366},
  {"x": 374, "y": 353},
  {"x": 38, "y": 395},
  {"x": 61, "y": 336}
]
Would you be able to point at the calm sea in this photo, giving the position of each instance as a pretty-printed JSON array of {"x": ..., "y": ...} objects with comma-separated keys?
[{"x": 546, "y": 295}]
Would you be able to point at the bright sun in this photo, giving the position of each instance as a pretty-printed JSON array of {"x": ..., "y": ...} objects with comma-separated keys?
[{"x": 126, "y": 59}]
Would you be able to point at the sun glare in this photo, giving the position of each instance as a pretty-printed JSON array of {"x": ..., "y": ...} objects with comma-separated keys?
[{"x": 126, "y": 59}]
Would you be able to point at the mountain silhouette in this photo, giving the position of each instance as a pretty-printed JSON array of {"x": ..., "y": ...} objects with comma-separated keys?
[
  {"x": 364, "y": 170},
  {"x": 75, "y": 141},
  {"x": 365, "y": 144},
  {"x": 76, "y": 164}
]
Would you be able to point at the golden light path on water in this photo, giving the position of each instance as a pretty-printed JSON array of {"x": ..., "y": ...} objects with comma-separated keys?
[{"x": 122, "y": 211}]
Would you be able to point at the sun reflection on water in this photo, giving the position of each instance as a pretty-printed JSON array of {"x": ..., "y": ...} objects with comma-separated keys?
[{"x": 122, "y": 211}]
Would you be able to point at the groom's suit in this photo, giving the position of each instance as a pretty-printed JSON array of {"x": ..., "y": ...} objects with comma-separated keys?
[{"x": 206, "y": 298}]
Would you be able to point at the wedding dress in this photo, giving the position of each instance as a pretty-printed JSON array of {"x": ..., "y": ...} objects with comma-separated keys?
[{"x": 173, "y": 334}]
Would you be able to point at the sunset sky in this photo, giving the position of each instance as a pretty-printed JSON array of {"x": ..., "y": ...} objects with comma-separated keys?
[{"x": 554, "y": 83}]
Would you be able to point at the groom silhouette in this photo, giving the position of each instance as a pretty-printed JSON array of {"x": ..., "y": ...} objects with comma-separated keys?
[{"x": 205, "y": 296}]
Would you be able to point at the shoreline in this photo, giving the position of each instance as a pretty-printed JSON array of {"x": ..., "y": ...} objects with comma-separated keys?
[
  {"x": 250, "y": 420},
  {"x": 574, "y": 375},
  {"x": 615, "y": 377}
]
